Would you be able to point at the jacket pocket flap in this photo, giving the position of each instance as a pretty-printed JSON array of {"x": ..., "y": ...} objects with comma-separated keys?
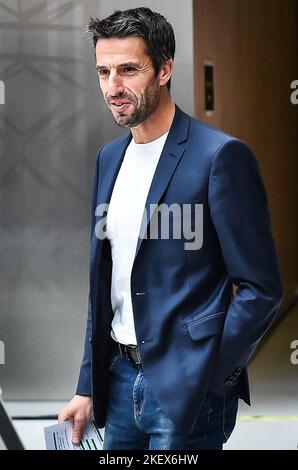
[{"x": 208, "y": 326}]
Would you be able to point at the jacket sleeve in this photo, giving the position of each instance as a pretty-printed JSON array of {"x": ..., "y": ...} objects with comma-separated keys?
[
  {"x": 84, "y": 386},
  {"x": 84, "y": 382},
  {"x": 239, "y": 211}
]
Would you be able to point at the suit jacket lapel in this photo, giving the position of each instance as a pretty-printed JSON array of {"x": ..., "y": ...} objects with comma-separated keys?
[
  {"x": 169, "y": 159},
  {"x": 109, "y": 170},
  {"x": 110, "y": 163}
]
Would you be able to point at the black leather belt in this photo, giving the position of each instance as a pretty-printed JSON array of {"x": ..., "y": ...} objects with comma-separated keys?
[{"x": 131, "y": 353}]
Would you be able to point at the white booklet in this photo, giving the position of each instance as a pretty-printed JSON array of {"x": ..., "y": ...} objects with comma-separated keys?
[{"x": 58, "y": 437}]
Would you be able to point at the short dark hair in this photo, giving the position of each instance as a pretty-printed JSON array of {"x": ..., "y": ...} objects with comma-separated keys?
[{"x": 156, "y": 31}]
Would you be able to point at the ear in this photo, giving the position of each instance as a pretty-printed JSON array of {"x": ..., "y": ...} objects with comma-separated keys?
[{"x": 166, "y": 72}]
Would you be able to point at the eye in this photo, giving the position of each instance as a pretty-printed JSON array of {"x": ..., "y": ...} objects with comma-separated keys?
[
  {"x": 103, "y": 72},
  {"x": 128, "y": 70}
]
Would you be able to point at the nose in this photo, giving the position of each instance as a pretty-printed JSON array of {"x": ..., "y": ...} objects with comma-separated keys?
[{"x": 115, "y": 83}]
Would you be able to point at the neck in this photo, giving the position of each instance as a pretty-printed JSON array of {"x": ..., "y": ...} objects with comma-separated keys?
[{"x": 158, "y": 123}]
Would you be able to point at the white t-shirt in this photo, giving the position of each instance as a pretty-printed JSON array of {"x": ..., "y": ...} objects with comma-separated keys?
[{"x": 124, "y": 219}]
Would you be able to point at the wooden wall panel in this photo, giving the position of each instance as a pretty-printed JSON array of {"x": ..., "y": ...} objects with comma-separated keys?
[{"x": 253, "y": 44}]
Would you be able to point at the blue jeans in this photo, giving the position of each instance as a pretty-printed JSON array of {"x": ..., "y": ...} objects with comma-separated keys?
[{"x": 135, "y": 420}]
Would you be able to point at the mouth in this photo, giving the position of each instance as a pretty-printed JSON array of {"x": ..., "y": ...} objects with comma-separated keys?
[{"x": 119, "y": 106}]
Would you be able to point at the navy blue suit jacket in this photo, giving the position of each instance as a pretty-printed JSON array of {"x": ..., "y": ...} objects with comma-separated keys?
[{"x": 192, "y": 334}]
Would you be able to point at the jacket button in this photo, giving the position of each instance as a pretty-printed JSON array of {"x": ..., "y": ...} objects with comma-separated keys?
[{"x": 89, "y": 339}]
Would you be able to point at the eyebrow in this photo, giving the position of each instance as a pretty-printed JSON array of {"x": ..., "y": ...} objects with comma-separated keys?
[{"x": 126, "y": 64}]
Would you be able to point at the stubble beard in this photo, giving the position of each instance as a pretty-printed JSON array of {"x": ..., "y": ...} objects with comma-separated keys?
[{"x": 143, "y": 107}]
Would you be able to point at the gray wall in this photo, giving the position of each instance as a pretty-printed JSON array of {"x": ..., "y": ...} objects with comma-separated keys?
[{"x": 51, "y": 126}]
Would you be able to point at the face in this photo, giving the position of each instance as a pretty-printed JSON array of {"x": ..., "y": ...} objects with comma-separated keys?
[{"x": 127, "y": 79}]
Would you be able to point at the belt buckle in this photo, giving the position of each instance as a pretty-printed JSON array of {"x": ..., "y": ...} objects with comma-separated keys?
[
  {"x": 138, "y": 361},
  {"x": 135, "y": 356},
  {"x": 139, "y": 357},
  {"x": 124, "y": 352}
]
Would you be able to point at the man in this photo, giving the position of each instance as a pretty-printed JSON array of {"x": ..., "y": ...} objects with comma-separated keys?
[{"x": 167, "y": 344}]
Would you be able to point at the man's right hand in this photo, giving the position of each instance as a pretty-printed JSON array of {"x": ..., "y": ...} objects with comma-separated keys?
[{"x": 79, "y": 410}]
